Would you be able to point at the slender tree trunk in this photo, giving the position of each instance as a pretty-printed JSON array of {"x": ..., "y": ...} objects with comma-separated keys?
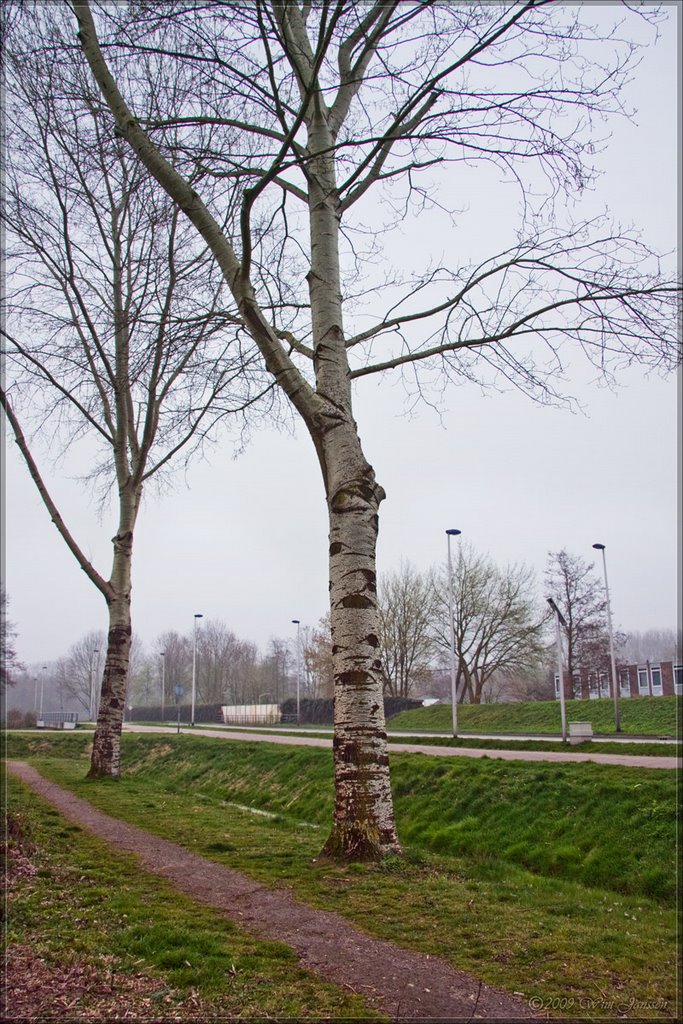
[
  {"x": 105, "y": 761},
  {"x": 363, "y": 827}
]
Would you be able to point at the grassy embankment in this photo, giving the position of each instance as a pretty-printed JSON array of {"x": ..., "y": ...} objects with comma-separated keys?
[
  {"x": 658, "y": 717},
  {"x": 640, "y": 716},
  {"x": 520, "y": 873}
]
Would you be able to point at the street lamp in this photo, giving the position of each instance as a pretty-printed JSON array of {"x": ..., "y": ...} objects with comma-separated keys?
[
  {"x": 178, "y": 692},
  {"x": 560, "y": 620},
  {"x": 297, "y": 623},
  {"x": 162, "y": 655},
  {"x": 91, "y": 711},
  {"x": 454, "y": 695},
  {"x": 615, "y": 687},
  {"x": 42, "y": 690},
  {"x": 198, "y": 615}
]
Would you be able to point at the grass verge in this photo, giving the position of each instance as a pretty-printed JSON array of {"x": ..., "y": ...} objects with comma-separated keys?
[
  {"x": 640, "y": 716},
  {"x": 78, "y": 906},
  {"x": 518, "y": 873},
  {"x": 589, "y": 747}
]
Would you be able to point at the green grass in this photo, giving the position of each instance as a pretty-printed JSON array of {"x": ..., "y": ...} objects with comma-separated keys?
[
  {"x": 640, "y": 716},
  {"x": 87, "y": 905},
  {"x": 528, "y": 813},
  {"x": 508, "y": 866},
  {"x": 634, "y": 748},
  {"x": 643, "y": 749}
]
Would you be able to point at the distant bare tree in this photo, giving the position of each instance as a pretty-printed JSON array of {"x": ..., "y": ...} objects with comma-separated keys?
[
  {"x": 81, "y": 669},
  {"x": 227, "y": 666},
  {"x": 294, "y": 137},
  {"x": 651, "y": 645},
  {"x": 580, "y": 592},
  {"x": 318, "y": 659},
  {"x": 9, "y": 660},
  {"x": 408, "y": 606},
  {"x": 275, "y": 669},
  {"x": 499, "y": 630},
  {"x": 177, "y": 668}
]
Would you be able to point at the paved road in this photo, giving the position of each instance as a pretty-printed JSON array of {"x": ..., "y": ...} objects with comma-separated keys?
[
  {"x": 542, "y": 737},
  {"x": 627, "y": 760}
]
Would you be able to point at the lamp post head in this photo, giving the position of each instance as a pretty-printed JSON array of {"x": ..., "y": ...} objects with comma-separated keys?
[
  {"x": 453, "y": 533},
  {"x": 295, "y": 622},
  {"x": 599, "y": 547},
  {"x": 162, "y": 654},
  {"x": 198, "y": 615}
]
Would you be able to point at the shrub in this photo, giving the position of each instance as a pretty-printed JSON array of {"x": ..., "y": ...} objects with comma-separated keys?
[{"x": 18, "y": 719}]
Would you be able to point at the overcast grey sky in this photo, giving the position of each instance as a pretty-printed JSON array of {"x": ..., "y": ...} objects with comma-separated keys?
[{"x": 245, "y": 541}]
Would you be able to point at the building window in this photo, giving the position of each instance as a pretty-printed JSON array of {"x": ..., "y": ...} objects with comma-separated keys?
[
  {"x": 642, "y": 680},
  {"x": 678, "y": 680},
  {"x": 625, "y": 683},
  {"x": 557, "y": 684},
  {"x": 656, "y": 675},
  {"x": 603, "y": 685}
]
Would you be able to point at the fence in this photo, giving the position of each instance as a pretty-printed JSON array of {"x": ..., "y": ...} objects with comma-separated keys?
[{"x": 57, "y": 720}]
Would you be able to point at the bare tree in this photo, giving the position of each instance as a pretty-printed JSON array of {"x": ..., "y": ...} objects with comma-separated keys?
[
  {"x": 117, "y": 329},
  {"x": 499, "y": 630},
  {"x": 651, "y": 645},
  {"x": 9, "y": 660},
  {"x": 274, "y": 125},
  {"x": 407, "y": 608},
  {"x": 82, "y": 670},
  {"x": 227, "y": 668},
  {"x": 574, "y": 583},
  {"x": 177, "y": 667},
  {"x": 275, "y": 668},
  {"x": 318, "y": 659}
]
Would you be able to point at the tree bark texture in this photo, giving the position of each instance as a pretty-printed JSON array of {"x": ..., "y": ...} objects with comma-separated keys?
[
  {"x": 363, "y": 827},
  {"x": 105, "y": 761}
]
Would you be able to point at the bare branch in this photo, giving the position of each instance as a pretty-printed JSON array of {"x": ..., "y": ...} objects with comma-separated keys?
[{"x": 102, "y": 585}]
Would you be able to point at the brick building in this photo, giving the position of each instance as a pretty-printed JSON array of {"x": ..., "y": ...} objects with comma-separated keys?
[{"x": 661, "y": 679}]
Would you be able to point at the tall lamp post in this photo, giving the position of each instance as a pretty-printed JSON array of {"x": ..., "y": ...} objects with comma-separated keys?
[
  {"x": 560, "y": 621},
  {"x": 454, "y": 694},
  {"x": 198, "y": 615},
  {"x": 615, "y": 684},
  {"x": 93, "y": 709},
  {"x": 42, "y": 690},
  {"x": 162, "y": 655},
  {"x": 297, "y": 623}
]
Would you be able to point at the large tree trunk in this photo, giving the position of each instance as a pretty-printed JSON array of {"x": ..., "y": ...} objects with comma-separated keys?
[
  {"x": 363, "y": 827},
  {"x": 105, "y": 761}
]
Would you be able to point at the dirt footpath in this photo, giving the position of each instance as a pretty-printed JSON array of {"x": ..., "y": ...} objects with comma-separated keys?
[{"x": 405, "y": 985}]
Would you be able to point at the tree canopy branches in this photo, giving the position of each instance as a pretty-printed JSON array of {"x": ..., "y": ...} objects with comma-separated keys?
[{"x": 405, "y": 89}]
